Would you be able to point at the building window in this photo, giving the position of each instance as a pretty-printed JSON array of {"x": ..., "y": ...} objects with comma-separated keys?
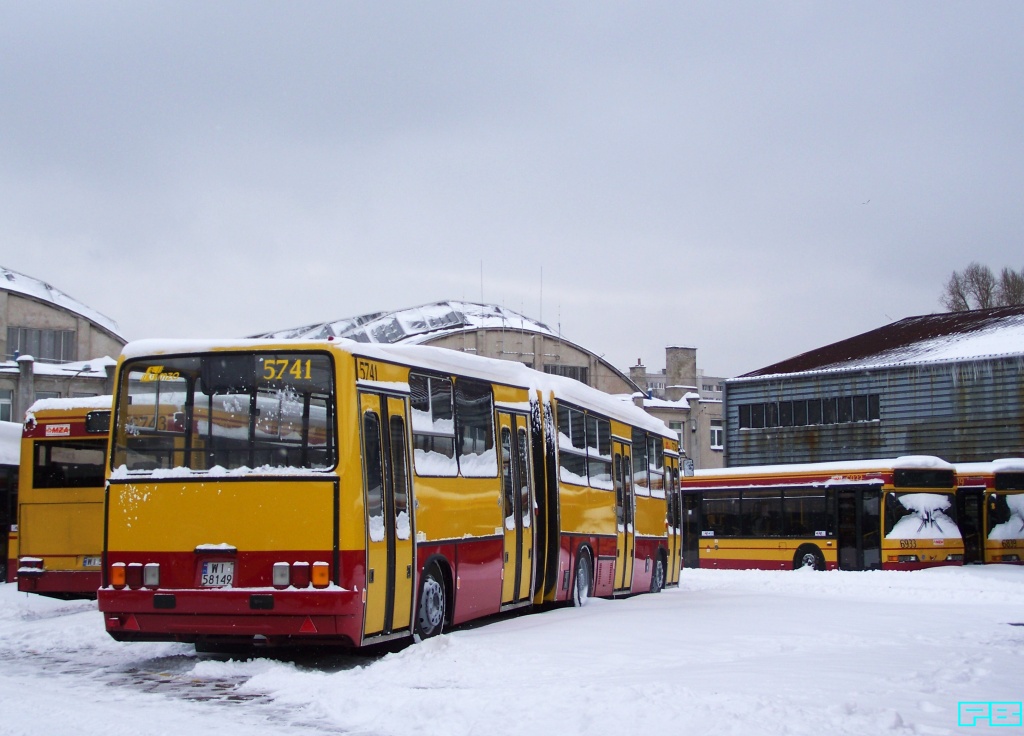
[
  {"x": 717, "y": 435},
  {"x": 807, "y": 412},
  {"x": 46, "y": 346},
  {"x": 577, "y": 372},
  {"x": 6, "y": 399},
  {"x": 40, "y": 395},
  {"x": 677, "y": 427}
]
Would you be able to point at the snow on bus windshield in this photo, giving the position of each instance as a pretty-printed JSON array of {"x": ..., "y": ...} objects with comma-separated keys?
[{"x": 920, "y": 516}]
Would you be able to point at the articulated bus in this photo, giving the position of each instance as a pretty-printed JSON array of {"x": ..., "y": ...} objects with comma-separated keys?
[
  {"x": 859, "y": 515},
  {"x": 990, "y": 509},
  {"x": 60, "y": 498},
  {"x": 291, "y": 492},
  {"x": 10, "y": 460}
]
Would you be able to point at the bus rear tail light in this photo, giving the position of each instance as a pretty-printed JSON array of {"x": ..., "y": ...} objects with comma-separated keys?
[
  {"x": 151, "y": 575},
  {"x": 134, "y": 575},
  {"x": 300, "y": 575},
  {"x": 321, "y": 575},
  {"x": 30, "y": 566},
  {"x": 118, "y": 576}
]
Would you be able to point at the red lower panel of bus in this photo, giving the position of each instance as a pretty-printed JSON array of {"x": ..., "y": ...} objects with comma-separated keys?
[
  {"x": 645, "y": 552},
  {"x": 920, "y": 565},
  {"x": 180, "y": 609},
  {"x": 753, "y": 565},
  {"x": 65, "y": 583},
  {"x": 186, "y": 615},
  {"x": 475, "y": 567}
]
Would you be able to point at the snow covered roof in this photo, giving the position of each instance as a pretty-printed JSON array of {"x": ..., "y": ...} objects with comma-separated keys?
[
  {"x": 19, "y": 283},
  {"x": 94, "y": 368},
  {"x": 416, "y": 324},
  {"x": 931, "y": 338}
]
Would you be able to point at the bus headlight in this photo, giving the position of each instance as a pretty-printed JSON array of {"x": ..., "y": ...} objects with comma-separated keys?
[{"x": 907, "y": 558}]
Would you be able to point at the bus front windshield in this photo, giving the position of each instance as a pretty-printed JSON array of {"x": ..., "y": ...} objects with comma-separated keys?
[
  {"x": 226, "y": 411},
  {"x": 920, "y": 516}
]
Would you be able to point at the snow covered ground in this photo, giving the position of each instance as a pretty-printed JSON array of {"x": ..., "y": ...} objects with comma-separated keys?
[{"x": 730, "y": 652}]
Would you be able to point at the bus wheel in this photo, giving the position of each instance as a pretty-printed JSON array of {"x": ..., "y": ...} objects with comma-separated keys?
[
  {"x": 581, "y": 589},
  {"x": 431, "y": 609},
  {"x": 809, "y": 556},
  {"x": 658, "y": 576}
]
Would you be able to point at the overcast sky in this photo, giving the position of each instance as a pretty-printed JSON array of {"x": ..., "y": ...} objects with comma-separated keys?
[{"x": 753, "y": 179}]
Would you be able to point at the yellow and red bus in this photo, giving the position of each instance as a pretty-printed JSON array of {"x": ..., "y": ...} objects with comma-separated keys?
[
  {"x": 326, "y": 491},
  {"x": 10, "y": 461},
  {"x": 860, "y": 515},
  {"x": 990, "y": 510},
  {"x": 60, "y": 498}
]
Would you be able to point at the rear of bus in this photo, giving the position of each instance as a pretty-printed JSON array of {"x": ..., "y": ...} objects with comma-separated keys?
[
  {"x": 223, "y": 505},
  {"x": 60, "y": 499}
]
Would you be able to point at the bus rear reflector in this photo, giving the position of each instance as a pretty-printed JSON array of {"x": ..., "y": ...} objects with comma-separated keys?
[{"x": 321, "y": 575}]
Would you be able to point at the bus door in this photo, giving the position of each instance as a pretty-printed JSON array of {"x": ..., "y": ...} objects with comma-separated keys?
[
  {"x": 859, "y": 529},
  {"x": 389, "y": 537},
  {"x": 622, "y": 471},
  {"x": 968, "y": 517},
  {"x": 674, "y": 522},
  {"x": 517, "y": 507},
  {"x": 691, "y": 529}
]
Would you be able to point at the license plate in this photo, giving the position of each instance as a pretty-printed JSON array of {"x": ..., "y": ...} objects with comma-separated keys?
[
  {"x": 91, "y": 562},
  {"x": 217, "y": 574}
]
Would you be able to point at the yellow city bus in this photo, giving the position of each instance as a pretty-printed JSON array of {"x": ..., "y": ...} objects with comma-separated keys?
[
  {"x": 347, "y": 493},
  {"x": 990, "y": 510},
  {"x": 859, "y": 515},
  {"x": 60, "y": 498}
]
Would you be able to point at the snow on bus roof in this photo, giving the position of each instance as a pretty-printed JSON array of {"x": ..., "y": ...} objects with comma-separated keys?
[
  {"x": 32, "y": 287},
  {"x": 1001, "y": 465},
  {"x": 71, "y": 404},
  {"x": 442, "y": 359},
  {"x": 910, "y": 462},
  {"x": 10, "y": 443}
]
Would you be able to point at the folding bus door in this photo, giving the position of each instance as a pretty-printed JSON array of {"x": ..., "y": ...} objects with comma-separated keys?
[
  {"x": 968, "y": 518},
  {"x": 859, "y": 528},
  {"x": 387, "y": 500},
  {"x": 622, "y": 472},
  {"x": 517, "y": 506}
]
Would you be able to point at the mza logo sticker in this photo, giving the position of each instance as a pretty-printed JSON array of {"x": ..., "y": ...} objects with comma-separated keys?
[{"x": 58, "y": 430}]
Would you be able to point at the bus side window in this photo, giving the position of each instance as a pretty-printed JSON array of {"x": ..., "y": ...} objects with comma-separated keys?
[{"x": 374, "y": 476}]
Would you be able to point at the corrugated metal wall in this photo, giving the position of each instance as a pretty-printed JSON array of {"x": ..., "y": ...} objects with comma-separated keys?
[{"x": 962, "y": 412}]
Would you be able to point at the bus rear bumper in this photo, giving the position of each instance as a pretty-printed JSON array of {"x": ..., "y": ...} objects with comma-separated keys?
[
  {"x": 59, "y": 583},
  {"x": 332, "y": 615}
]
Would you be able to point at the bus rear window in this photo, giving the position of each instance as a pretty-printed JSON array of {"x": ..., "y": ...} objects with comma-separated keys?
[
  {"x": 69, "y": 464},
  {"x": 228, "y": 411}
]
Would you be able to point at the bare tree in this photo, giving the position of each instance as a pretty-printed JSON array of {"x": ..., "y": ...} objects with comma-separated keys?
[
  {"x": 976, "y": 287},
  {"x": 954, "y": 296},
  {"x": 1010, "y": 290}
]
